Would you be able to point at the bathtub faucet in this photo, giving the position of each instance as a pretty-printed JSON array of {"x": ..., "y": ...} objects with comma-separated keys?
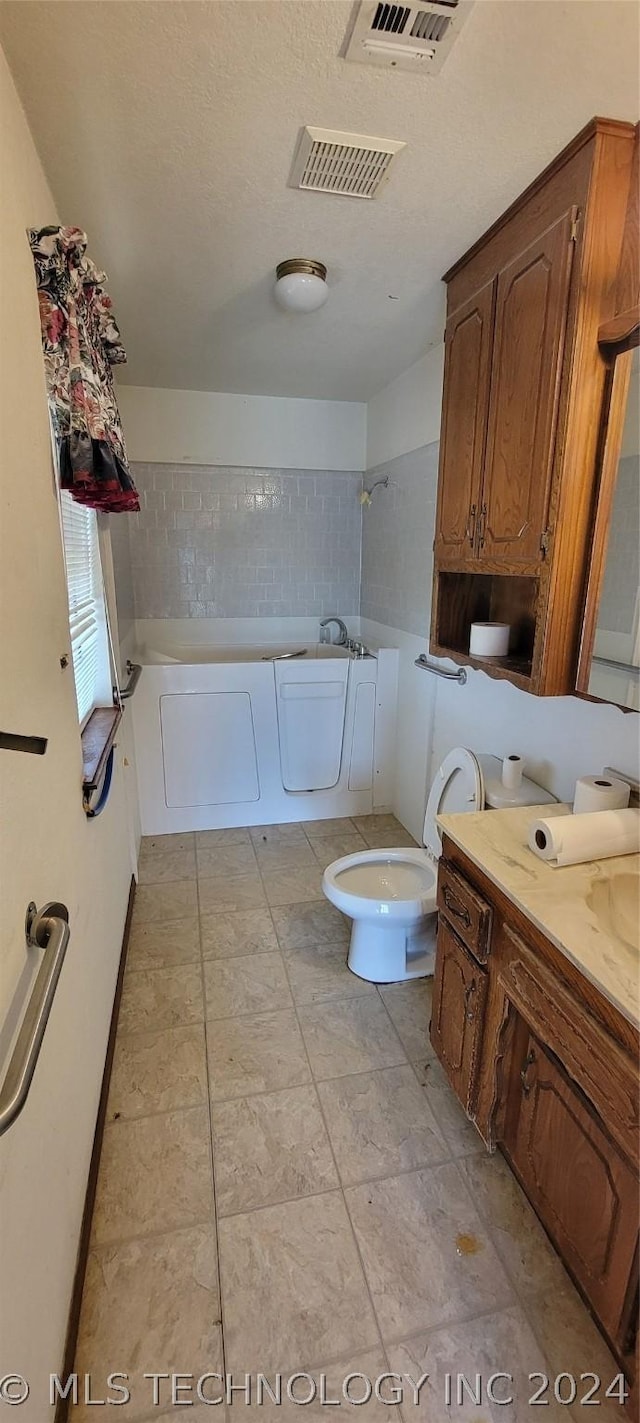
[{"x": 342, "y": 640}]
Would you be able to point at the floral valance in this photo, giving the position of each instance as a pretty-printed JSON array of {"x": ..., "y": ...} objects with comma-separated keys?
[{"x": 81, "y": 342}]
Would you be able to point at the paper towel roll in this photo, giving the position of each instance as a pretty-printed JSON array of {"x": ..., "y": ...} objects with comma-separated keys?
[
  {"x": 573, "y": 839},
  {"x": 489, "y": 639},
  {"x": 512, "y": 768},
  {"x": 600, "y": 793}
]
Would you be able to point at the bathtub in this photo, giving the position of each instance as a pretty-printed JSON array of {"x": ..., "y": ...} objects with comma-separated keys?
[{"x": 250, "y": 735}]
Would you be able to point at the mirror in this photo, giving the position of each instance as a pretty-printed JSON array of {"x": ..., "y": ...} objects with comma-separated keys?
[{"x": 610, "y": 657}]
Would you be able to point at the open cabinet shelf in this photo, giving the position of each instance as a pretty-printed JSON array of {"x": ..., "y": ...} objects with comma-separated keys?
[{"x": 465, "y": 598}]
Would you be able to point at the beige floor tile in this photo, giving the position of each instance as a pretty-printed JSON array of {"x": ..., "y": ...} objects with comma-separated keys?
[
  {"x": 494, "y": 1344},
  {"x": 228, "y": 936},
  {"x": 380, "y": 1124},
  {"x": 384, "y": 822},
  {"x": 162, "y": 998},
  {"x": 163, "y": 945},
  {"x": 261, "y": 1054},
  {"x": 354, "y": 1035},
  {"x": 328, "y": 848},
  {"x": 410, "y": 1229},
  {"x": 257, "y": 984},
  {"x": 269, "y": 1149},
  {"x": 167, "y": 865},
  {"x": 319, "y": 974},
  {"x": 157, "y": 903},
  {"x": 333, "y": 1383},
  {"x": 158, "y": 1072},
  {"x": 459, "y": 1133},
  {"x": 150, "y": 1306},
  {"x": 294, "y": 886},
  {"x": 409, "y": 1004},
  {"x": 231, "y": 893},
  {"x": 300, "y": 926},
  {"x": 159, "y": 844},
  {"x": 520, "y": 1239},
  {"x": 277, "y": 834},
  {"x": 573, "y": 1344},
  {"x": 155, "y": 1175},
  {"x": 280, "y": 859},
  {"x": 343, "y": 825},
  {"x": 214, "y": 861},
  {"x": 205, "y": 839},
  {"x": 292, "y": 1285},
  {"x": 389, "y": 839}
]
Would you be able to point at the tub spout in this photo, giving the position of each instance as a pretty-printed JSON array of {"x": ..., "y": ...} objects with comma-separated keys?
[{"x": 343, "y": 638}]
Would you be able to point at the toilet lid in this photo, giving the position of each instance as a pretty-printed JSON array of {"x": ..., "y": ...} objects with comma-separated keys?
[{"x": 457, "y": 785}]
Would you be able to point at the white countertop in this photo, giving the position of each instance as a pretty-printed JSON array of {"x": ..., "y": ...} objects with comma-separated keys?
[{"x": 587, "y": 911}]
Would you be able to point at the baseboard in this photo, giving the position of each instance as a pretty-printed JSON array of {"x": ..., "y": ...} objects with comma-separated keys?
[{"x": 71, "y": 1341}]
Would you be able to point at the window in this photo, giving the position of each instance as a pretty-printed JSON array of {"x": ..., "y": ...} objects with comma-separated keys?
[{"x": 87, "y": 616}]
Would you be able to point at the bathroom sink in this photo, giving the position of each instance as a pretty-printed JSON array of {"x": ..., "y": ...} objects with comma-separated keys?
[{"x": 616, "y": 904}]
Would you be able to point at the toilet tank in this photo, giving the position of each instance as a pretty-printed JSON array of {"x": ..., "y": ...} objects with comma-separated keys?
[{"x": 499, "y": 797}]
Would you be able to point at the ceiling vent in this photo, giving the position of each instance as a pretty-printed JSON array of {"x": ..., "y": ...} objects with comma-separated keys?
[
  {"x": 349, "y": 164},
  {"x": 413, "y": 36}
]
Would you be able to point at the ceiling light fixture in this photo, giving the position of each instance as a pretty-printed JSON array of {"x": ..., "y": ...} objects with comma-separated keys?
[{"x": 301, "y": 284}]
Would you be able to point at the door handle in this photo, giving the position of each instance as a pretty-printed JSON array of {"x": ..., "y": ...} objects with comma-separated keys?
[
  {"x": 469, "y": 1011},
  {"x": 470, "y": 531},
  {"x": 524, "y": 1074},
  {"x": 456, "y": 908},
  {"x": 47, "y": 929},
  {"x": 482, "y": 525}
]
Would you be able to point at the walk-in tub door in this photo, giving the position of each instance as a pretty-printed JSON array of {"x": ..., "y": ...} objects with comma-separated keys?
[{"x": 311, "y": 699}]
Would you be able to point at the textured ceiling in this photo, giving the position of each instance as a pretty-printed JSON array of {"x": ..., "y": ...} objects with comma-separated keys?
[{"x": 167, "y": 131}]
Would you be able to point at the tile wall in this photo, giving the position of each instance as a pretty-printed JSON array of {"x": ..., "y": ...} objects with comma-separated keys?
[
  {"x": 397, "y": 539},
  {"x": 236, "y": 542}
]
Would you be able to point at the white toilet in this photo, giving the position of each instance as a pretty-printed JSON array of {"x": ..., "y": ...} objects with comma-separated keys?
[{"x": 391, "y": 894}]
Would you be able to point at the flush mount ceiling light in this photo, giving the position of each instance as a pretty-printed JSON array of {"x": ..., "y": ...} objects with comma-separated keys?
[{"x": 301, "y": 284}]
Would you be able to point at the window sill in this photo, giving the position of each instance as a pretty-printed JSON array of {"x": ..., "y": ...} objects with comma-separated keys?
[{"x": 97, "y": 740}]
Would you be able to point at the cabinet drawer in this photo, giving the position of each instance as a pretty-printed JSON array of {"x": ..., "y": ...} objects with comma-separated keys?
[{"x": 466, "y": 910}]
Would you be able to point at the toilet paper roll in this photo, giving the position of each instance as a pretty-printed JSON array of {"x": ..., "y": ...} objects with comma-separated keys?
[
  {"x": 573, "y": 839},
  {"x": 600, "y": 793},
  {"x": 489, "y": 639},
  {"x": 512, "y": 768}
]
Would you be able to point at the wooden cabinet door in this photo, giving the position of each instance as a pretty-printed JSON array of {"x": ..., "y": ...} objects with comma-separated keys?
[
  {"x": 581, "y": 1186},
  {"x": 465, "y": 402},
  {"x": 459, "y": 992},
  {"x": 530, "y": 325}
]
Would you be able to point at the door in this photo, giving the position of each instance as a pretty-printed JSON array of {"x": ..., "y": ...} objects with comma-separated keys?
[
  {"x": 468, "y": 338},
  {"x": 532, "y": 303},
  {"x": 575, "y": 1176},
  {"x": 48, "y": 848},
  {"x": 459, "y": 993}
]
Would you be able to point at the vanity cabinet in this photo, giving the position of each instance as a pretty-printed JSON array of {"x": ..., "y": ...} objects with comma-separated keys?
[
  {"x": 519, "y": 445},
  {"x": 546, "y": 1067}
]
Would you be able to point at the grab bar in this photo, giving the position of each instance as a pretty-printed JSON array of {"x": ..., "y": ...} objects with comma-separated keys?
[
  {"x": 286, "y": 656},
  {"x": 134, "y": 673},
  {"x": 48, "y": 929},
  {"x": 459, "y": 676}
]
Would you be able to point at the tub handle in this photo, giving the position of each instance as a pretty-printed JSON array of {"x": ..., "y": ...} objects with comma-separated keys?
[{"x": 286, "y": 656}]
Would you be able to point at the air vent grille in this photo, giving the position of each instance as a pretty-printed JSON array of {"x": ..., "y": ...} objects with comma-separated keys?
[
  {"x": 411, "y": 36},
  {"x": 347, "y": 164}
]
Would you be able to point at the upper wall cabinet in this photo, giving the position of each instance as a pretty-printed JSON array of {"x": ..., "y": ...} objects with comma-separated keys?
[{"x": 524, "y": 380}]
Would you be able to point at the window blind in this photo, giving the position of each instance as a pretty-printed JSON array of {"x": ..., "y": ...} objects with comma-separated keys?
[{"x": 86, "y": 603}]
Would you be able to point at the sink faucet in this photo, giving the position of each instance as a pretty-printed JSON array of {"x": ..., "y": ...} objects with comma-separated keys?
[{"x": 342, "y": 640}]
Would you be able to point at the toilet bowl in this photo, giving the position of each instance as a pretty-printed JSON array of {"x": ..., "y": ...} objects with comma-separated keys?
[{"x": 390, "y": 895}]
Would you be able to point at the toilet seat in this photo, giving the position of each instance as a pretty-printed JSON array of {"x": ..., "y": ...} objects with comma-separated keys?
[{"x": 395, "y": 884}]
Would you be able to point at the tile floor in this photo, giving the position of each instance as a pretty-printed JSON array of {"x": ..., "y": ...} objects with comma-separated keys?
[{"x": 287, "y": 1180}]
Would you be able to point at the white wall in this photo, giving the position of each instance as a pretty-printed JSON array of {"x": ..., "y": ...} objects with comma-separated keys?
[
  {"x": 200, "y": 427},
  {"x": 49, "y": 850},
  {"x": 406, "y": 414},
  {"x": 560, "y": 738}
]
